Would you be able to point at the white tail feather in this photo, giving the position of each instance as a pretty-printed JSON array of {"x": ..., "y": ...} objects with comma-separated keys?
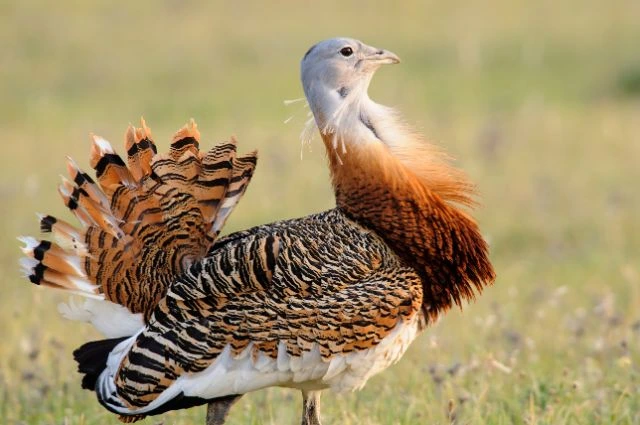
[{"x": 110, "y": 319}]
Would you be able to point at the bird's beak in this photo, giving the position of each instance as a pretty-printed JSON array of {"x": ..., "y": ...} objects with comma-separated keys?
[{"x": 382, "y": 57}]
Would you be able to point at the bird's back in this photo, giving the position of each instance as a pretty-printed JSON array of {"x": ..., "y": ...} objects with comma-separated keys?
[{"x": 310, "y": 303}]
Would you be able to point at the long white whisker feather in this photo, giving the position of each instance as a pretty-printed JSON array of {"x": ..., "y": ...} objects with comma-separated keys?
[{"x": 288, "y": 102}]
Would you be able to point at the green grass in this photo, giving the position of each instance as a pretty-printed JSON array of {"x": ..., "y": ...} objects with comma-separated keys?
[{"x": 537, "y": 100}]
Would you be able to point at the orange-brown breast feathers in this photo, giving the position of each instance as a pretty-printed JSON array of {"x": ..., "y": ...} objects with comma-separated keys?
[
  {"x": 413, "y": 206},
  {"x": 143, "y": 221}
]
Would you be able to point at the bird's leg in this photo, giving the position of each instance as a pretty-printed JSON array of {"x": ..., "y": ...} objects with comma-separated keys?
[
  {"x": 218, "y": 409},
  {"x": 311, "y": 408}
]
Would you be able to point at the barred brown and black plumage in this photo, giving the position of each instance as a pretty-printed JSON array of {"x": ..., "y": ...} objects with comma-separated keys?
[
  {"x": 324, "y": 301},
  {"x": 143, "y": 222}
]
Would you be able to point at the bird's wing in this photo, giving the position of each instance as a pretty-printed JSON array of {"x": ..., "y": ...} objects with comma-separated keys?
[{"x": 282, "y": 304}]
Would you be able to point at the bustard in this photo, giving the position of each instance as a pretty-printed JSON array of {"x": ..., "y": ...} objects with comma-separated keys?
[{"x": 323, "y": 301}]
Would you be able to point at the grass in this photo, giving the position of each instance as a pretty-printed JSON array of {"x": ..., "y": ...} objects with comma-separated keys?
[{"x": 537, "y": 101}]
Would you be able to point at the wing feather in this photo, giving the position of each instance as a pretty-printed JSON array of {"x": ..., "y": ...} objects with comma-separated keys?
[{"x": 300, "y": 316}]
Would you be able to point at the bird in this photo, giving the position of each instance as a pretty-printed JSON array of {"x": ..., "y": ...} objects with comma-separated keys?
[{"x": 320, "y": 302}]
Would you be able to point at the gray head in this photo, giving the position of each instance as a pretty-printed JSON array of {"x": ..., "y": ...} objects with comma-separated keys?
[{"x": 336, "y": 73}]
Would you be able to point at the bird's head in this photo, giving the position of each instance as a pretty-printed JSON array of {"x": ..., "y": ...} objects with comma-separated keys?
[
  {"x": 335, "y": 76},
  {"x": 341, "y": 64}
]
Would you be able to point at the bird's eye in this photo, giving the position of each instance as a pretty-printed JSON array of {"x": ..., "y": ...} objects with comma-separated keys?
[{"x": 346, "y": 51}]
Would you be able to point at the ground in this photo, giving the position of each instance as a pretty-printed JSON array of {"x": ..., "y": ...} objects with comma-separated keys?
[{"x": 540, "y": 103}]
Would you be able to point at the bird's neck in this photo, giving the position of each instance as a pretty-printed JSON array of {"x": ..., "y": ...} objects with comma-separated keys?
[{"x": 408, "y": 198}]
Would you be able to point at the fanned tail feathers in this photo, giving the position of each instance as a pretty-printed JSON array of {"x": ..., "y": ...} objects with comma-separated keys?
[{"x": 143, "y": 222}]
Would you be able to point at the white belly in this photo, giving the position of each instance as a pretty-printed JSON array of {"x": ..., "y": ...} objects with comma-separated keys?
[
  {"x": 229, "y": 375},
  {"x": 346, "y": 372}
]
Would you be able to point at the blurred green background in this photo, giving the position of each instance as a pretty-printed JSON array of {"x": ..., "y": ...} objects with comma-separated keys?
[{"x": 539, "y": 101}]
